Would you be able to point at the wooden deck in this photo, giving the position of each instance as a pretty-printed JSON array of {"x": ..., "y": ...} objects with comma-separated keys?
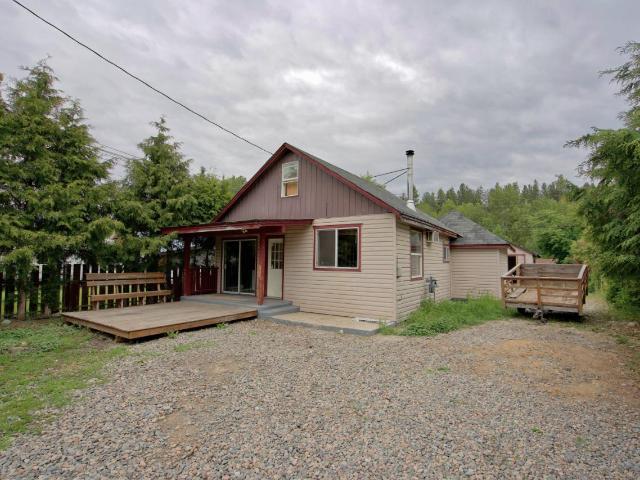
[
  {"x": 147, "y": 320},
  {"x": 554, "y": 287},
  {"x": 526, "y": 298}
]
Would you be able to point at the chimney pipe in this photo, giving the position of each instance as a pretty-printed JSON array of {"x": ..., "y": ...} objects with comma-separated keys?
[{"x": 410, "y": 203}]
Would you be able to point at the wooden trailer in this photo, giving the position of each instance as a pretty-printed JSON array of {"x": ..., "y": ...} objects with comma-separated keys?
[{"x": 546, "y": 287}]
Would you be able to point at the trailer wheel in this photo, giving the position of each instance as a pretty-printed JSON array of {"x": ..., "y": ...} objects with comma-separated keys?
[{"x": 539, "y": 315}]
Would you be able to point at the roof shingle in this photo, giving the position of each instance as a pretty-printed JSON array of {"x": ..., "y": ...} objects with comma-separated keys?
[{"x": 472, "y": 233}]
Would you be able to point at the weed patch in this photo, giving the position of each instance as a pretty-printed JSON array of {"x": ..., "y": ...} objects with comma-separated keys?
[
  {"x": 40, "y": 365},
  {"x": 433, "y": 318}
]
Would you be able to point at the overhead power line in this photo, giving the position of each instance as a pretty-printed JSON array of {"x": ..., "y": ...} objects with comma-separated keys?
[
  {"x": 144, "y": 82},
  {"x": 397, "y": 176},
  {"x": 389, "y": 173},
  {"x": 122, "y": 152}
]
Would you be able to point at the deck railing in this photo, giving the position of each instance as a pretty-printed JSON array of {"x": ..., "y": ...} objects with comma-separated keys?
[
  {"x": 72, "y": 294},
  {"x": 553, "y": 286}
]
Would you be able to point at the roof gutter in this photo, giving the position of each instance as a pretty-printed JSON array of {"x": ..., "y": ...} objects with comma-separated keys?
[{"x": 480, "y": 245}]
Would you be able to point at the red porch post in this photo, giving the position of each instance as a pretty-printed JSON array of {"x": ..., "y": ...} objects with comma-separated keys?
[
  {"x": 186, "y": 266},
  {"x": 262, "y": 268}
]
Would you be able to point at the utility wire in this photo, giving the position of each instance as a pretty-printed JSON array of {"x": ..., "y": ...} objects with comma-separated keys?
[
  {"x": 397, "y": 176},
  {"x": 388, "y": 173},
  {"x": 116, "y": 150},
  {"x": 114, "y": 154},
  {"x": 145, "y": 83},
  {"x": 114, "y": 158}
]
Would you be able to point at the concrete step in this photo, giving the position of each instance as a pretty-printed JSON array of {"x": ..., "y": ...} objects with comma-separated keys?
[
  {"x": 277, "y": 310},
  {"x": 248, "y": 304}
]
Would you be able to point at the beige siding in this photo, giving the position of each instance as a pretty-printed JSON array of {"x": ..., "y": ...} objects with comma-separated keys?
[
  {"x": 476, "y": 271},
  {"x": 522, "y": 256},
  {"x": 409, "y": 293},
  {"x": 368, "y": 293}
]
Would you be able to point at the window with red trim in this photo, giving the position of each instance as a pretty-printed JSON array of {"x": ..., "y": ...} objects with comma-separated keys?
[
  {"x": 337, "y": 247},
  {"x": 289, "y": 186}
]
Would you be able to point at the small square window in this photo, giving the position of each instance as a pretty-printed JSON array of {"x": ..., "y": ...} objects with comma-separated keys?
[{"x": 290, "y": 179}]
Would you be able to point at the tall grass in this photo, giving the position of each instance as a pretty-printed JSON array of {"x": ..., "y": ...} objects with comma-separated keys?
[{"x": 432, "y": 318}]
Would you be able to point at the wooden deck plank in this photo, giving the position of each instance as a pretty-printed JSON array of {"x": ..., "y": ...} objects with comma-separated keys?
[{"x": 137, "y": 322}]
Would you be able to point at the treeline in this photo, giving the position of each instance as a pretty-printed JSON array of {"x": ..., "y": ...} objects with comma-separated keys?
[
  {"x": 59, "y": 199},
  {"x": 597, "y": 223},
  {"x": 540, "y": 217}
]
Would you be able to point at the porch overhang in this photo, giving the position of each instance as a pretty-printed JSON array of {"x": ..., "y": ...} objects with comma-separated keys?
[
  {"x": 221, "y": 227},
  {"x": 479, "y": 245}
]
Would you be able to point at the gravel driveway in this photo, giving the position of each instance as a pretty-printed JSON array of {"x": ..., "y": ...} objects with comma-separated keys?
[{"x": 256, "y": 400}]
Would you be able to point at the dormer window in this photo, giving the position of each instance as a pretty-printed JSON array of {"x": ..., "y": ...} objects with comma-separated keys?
[{"x": 290, "y": 179}]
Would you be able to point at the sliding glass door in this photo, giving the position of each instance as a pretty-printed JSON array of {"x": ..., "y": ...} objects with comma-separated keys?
[{"x": 239, "y": 266}]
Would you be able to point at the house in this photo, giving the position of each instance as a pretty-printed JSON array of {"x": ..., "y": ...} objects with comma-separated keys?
[
  {"x": 518, "y": 254},
  {"x": 330, "y": 242},
  {"x": 478, "y": 258}
]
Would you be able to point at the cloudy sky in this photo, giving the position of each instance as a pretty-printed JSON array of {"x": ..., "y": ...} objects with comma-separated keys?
[{"x": 483, "y": 91}]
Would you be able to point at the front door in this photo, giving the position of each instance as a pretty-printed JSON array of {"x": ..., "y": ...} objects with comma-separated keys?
[
  {"x": 275, "y": 267},
  {"x": 239, "y": 266}
]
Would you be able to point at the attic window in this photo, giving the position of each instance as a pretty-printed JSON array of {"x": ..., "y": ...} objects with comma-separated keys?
[{"x": 290, "y": 179}]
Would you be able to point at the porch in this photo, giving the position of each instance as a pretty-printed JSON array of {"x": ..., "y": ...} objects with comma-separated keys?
[{"x": 248, "y": 256}]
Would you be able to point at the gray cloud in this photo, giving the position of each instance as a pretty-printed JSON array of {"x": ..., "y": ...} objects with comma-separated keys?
[{"x": 483, "y": 91}]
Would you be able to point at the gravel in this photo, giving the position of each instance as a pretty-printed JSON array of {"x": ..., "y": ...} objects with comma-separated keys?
[{"x": 256, "y": 400}]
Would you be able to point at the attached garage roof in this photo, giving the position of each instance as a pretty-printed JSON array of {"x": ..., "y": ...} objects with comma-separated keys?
[{"x": 472, "y": 233}]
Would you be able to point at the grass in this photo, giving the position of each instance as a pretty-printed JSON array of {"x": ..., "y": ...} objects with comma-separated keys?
[
  {"x": 443, "y": 369},
  {"x": 432, "y": 318},
  {"x": 185, "y": 347},
  {"x": 41, "y": 363},
  {"x": 622, "y": 339}
]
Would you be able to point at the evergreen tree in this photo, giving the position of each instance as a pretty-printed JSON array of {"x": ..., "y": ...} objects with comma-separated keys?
[
  {"x": 52, "y": 196},
  {"x": 159, "y": 191},
  {"x": 611, "y": 206},
  {"x": 440, "y": 198},
  {"x": 156, "y": 192}
]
